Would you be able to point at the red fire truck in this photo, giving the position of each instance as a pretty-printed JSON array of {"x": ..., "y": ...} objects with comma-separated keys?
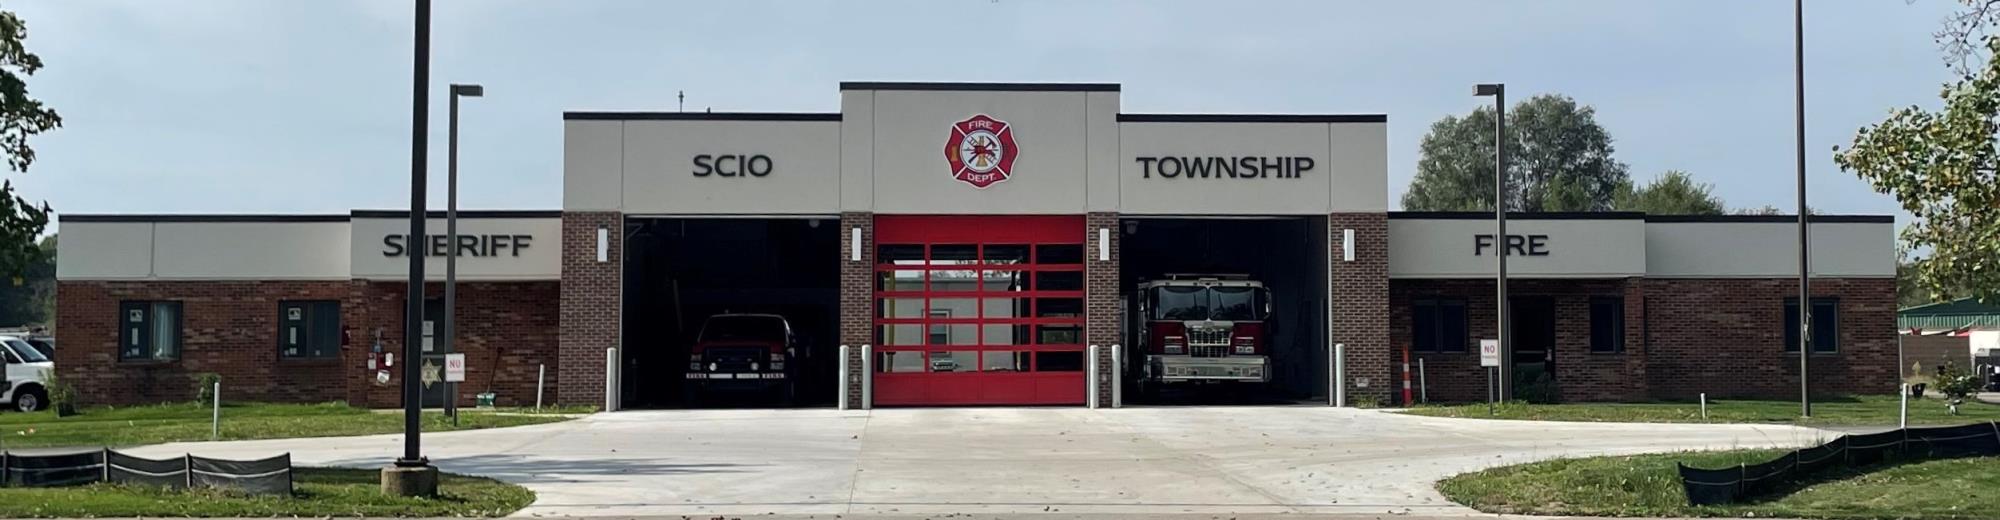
[{"x": 1201, "y": 328}]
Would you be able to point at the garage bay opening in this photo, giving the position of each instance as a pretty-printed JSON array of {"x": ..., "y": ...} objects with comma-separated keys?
[
  {"x": 1224, "y": 310},
  {"x": 730, "y": 312}
]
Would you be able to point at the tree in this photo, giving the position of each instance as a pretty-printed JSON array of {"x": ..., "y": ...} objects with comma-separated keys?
[
  {"x": 1558, "y": 159},
  {"x": 1674, "y": 193},
  {"x": 21, "y": 117},
  {"x": 1943, "y": 167},
  {"x": 32, "y": 301}
]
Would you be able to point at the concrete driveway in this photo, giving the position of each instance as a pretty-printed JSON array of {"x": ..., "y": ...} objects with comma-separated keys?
[{"x": 1264, "y": 459}]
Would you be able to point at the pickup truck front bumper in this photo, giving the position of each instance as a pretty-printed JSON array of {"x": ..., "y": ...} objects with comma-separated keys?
[
  {"x": 1182, "y": 368},
  {"x": 744, "y": 376}
]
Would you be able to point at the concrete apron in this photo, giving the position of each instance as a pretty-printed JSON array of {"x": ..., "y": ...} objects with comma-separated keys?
[{"x": 999, "y": 461}]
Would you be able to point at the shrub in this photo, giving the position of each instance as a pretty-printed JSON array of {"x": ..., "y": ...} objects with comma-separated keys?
[
  {"x": 62, "y": 396},
  {"x": 1955, "y": 383},
  {"x": 204, "y": 387}
]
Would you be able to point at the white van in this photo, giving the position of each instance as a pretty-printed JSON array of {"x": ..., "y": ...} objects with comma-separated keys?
[{"x": 21, "y": 382}]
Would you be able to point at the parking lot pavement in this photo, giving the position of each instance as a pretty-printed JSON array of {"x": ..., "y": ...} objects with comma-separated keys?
[{"x": 999, "y": 461}]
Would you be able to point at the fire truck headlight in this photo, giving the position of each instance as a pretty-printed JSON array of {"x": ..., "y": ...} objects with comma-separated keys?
[
  {"x": 1246, "y": 349},
  {"x": 753, "y": 366},
  {"x": 712, "y": 366},
  {"x": 777, "y": 365},
  {"x": 1174, "y": 348}
]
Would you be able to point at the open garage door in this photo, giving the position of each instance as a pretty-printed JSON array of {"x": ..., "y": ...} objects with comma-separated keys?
[
  {"x": 979, "y": 310},
  {"x": 749, "y": 279},
  {"x": 1210, "y": 296}
]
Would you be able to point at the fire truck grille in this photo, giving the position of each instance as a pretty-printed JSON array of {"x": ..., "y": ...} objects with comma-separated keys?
[
  {"x": 1215, "y": 336},
  {"x": 1209, "y": 351}
]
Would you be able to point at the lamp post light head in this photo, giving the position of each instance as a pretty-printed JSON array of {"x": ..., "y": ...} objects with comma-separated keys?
[
  {"x": 1490, "y": 89},
  {"x": 467, "y": 90}
]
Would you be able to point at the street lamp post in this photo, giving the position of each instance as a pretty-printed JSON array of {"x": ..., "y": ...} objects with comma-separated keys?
[
  {"x": 412, "y": 474},
  {"x": 1499, "y": 93},
  {"x": 1805, "y": 294},
  {"x": 451, "y": 237}
]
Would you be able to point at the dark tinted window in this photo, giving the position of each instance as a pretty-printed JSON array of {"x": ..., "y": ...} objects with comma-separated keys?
[
  {"x": 744, "y": 328},
  {"x": 1825, "y": 325},
  {"x": 1438, "y": 326},
  {"x": 1607, "y": 324}
]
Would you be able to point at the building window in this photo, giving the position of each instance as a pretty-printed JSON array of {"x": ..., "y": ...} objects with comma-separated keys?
[
  {"x": 1438, "y": 326},
  {"x": 1825, "y": 325},
  {"x": 308, "y": 329},
  {"x": 1607, "y": 324},
  {"x": 149, "y": 331},
  {"x": 940, "y": 334}
]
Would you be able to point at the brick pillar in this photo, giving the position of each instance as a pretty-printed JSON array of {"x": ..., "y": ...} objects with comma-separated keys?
[
  {"x": 1636, "y": 384},
  {"x": 1100, "y": 278},
  {"x": 1360, "y": 304},
  {"x": 590, "y": 305},
  {"x": 857, "y": 296}
]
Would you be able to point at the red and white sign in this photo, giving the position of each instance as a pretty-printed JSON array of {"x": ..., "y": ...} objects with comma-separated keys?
[
  {"x": 981, "y": 151},
  {"x": 1489, "y": 352},
  {"x": 454, "y": 368}
]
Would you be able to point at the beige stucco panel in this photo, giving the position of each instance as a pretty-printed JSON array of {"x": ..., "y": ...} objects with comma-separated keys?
[
  {"x": 540, "y": 260},
  {"x": 1218, "y": 194},
  {"x": 911, "y": 174},
  {"x": 105, "y": 250},
  {"x": 1360, "y": 167},
  {"x": 1765, "y": 249},
  {"x": 249, "y": 250},
  {"x": 1444, "y": 248},
  {"x": 804, "y": 161},
  {"x": 592, "y": 155}
]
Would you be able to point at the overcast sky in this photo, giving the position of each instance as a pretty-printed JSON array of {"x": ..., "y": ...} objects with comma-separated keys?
[{"x": 259, "y": 106}]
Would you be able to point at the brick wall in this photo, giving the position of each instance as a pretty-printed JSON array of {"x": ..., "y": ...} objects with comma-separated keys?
[
  {"x": 1360, "y": 302},
  {"x": 229, "y": 328},
  {"x": 1101, "y": 299},
  {"x": 590, "y": 301},
  {"x": 857, "y": 297},
  {"x": 1581, "y": 375},
  {"x": 505, "y": 329},
  {"x": 1682, "y": 337},
  {"x": 1725, "y": 337}
]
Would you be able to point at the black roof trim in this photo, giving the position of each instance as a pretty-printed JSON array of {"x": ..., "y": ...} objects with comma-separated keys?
[
  {"x": 177, "y": 218},
  {"x": 1253, "y": 118},
  {"x": 1517, "y": 215},
  {"x": 1003, "y": 87},
  {"x": 463, "y": 213},
  {"x": 701, "y": 116},
  {"x": 1825, "y": 219}
]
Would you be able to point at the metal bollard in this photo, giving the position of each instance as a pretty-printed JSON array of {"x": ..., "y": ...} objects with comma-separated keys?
[
  {"x": 611, "y": 379},
  {"x": 1903, "y": 411},
  {"x": 1704, "y": 406},
  {"x": 1117, "y": 376},
  {"x": 1339, "y": 375},
  {"x": 867, "y": 377},
  {"x": 845, "y": 373},
  {"x": 215, "y": 426},
  {"x": 541, "y": 379},
  {"x": 1090, "y": 377},
  {"x": 1423, "y": 384}
]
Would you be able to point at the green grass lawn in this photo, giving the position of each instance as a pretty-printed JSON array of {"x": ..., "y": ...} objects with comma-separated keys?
[
  {"x": 317, "y": 492},
  {"x": 153, "y": 424},
  {"x": 1872, "y": 410},
  {"x": 1649, "y": 485}
]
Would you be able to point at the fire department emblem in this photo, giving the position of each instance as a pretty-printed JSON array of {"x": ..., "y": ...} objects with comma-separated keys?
[{"x": 981, "y": 151}]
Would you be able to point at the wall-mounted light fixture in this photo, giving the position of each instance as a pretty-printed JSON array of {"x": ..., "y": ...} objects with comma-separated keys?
[
  {"x": 603, "y": 244},
  {"x": 1103, "y": 244},
  {"x": 854, "y": 244},
  {"x": 1347, "y": 245}
]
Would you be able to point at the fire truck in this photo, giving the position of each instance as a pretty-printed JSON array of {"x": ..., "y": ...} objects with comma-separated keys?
[{"x": 1201, "y": 328}]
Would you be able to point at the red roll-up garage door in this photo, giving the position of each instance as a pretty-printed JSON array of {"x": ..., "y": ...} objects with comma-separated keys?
[{"x": 979, "y": 310}]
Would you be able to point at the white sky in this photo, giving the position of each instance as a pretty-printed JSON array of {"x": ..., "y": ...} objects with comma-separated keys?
[{"x": 258, "y": 106}]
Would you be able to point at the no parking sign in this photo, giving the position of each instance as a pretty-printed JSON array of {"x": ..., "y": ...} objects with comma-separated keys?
[
  {"x": 1489, "y": 352},
  {"x": 454, "y": 368}
]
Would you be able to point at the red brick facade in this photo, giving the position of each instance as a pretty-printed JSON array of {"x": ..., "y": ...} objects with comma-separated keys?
[
  {"x": 1101, "y": 317},
  {"x": 857, "y": 297},
  {"x": 1360, "y": 300},
  {"x": 590, "y": 301},
  {"x": 1682, "y": 337},
  {"x": 230, "y": 328}
]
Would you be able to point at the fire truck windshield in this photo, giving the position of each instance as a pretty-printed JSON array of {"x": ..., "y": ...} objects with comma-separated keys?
[
  {"x": 1180, "y": 303},
  {"x": 744, "y": 328},
  {"x": 1208, "y": 303}
]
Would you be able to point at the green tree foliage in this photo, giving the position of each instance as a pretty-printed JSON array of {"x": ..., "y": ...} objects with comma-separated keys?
[
  {"x": 1943, "y": 167},
  {"x": 33, "y": 300},
  {"x": 1674, "y": 193},
  {"x": 1558, "y": 159},
  {"x": 21, "y": 116}
]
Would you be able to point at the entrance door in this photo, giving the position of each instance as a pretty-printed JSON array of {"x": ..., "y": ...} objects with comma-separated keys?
[
  {"x": 979, "y": 310},
  {"x": 1532, "y": 327}
]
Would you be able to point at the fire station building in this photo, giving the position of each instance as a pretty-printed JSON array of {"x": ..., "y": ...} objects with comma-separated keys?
[{"x": 977, "y": 238}]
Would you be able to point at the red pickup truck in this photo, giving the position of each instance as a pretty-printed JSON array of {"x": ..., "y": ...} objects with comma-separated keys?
[{"x": 743, "y": 352}]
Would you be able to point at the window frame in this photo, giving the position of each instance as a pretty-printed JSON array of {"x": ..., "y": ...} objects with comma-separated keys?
[
  {"x": 147, "y": 340},
  {"x": 1617, "y": 337},
  {"x": 1438, "y": 327},
  {"x": 311, "y": 316},
  {"x": 1788, "y": 314}
]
